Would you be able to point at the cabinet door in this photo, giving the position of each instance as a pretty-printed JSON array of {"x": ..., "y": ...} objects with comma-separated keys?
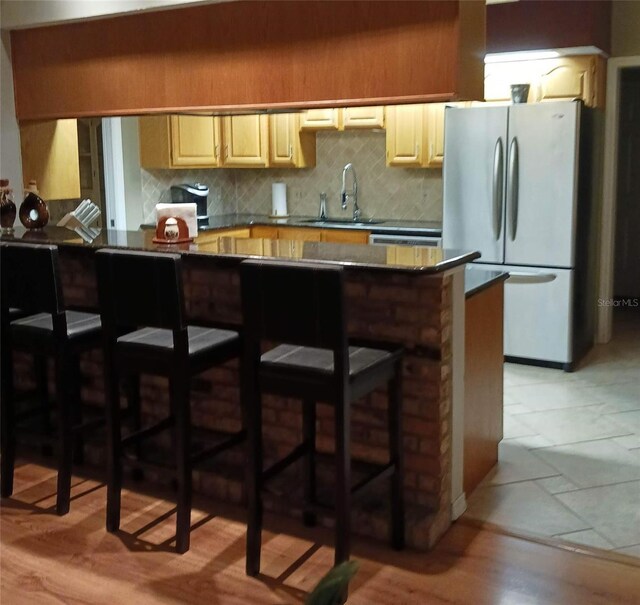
[
  {"x": 195, "y": 141},
  {"x": 363, "y": 117},
  {"x": 435, "y": 134},
  {"x": 342, "y": 236},
  {"x": 50, "y": 157},
  {"x": 304, "y": 234},
  {"x": 568, "y": 79},
  {"x": 283, "y": 133},
  {"x": 246, "y": 141},
  {"x": 321, "y": 119},
  {"x": 405, "y": 134}
]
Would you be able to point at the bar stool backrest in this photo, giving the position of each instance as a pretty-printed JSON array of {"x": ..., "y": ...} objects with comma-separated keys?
[
  {"x": 294, "y": 303},
  {"x": 31, "y": 279},
  {"x": 140, "y": 289}
]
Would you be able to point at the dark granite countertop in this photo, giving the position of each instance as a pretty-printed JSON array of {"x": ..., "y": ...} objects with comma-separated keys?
[
  {"x": 386, "y": 226},
  {"x": 402, "y": 259},
  {"x": 477, "y": 279}
]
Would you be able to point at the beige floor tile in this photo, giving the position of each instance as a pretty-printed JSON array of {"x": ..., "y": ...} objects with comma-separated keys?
[
  {"x": 573, "y": 425},
  {"x": 512, "y": 427},
  {"x": 532, "y": 442},
  {"x": 623, "y": 397},
  {"x": 552, "y": 396},
  {"x": 516, "y": 463},
  {"x": 592, "y": 463},
  {"x": 628, "y": 421},
  {"x": 633, "y": 551},
  {"x": 631, "y": 442},
  {"x": 613, "y": 511},
  {"x": 557, "y": 485},
  {"x": 523, "y": 506},
  {"x": 587, "y": 537}
]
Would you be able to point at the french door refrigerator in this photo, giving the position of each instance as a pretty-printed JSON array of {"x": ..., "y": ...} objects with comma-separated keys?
[{"x": 512, "y": 190}]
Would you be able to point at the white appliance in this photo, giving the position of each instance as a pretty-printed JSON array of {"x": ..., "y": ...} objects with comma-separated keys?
[
  {"x": 404, "y": 240},
  {"x": 512, "y": 191}
]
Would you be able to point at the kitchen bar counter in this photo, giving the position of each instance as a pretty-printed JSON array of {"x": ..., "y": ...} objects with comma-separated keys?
[
  {"x": 390, "y": 227},
  {"x": 477, "y": 279},
  {"x": 411, "y": 259},
  {"x": 412, "y": 297}
]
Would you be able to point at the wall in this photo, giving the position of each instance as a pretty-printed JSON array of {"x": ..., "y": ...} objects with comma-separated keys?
[
  {"x": 531, "y": 25},
  {"x": 399, "y": 193},
  {"x": 625, "y": 28},
  {"x": 10, "y": 154}
]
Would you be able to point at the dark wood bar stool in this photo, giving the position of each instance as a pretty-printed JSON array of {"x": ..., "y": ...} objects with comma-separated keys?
[
  {"x": 144, "y": 291},
  {"x": 31, "y": 283},
  {"x": 302, "y": 307}
]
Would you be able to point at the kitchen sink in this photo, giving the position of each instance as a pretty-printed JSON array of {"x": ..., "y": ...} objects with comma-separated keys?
[{"x": 341, "y": 221}]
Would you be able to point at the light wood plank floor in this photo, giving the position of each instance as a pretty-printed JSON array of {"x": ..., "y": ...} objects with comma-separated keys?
[{"x": 72, "y": 560}]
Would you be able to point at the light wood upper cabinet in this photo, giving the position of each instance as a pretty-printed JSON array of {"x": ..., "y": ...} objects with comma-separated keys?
[
  {"x": 561, "y": 78},
  {"x": 50, "y": 157},
  {"x": 568, "y": 78},
  {"x": 363, "y": 117},
  {"x": 321, "y": 119},
  {"x": 288, "y": 146},
  {"x": 195, "y": 141},
  {"x": 406, "y": 135},
  {"x": 246, "y": 141},
  {"x": 435, "y": 134}
]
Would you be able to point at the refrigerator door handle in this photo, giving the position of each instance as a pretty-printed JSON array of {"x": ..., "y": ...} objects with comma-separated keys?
[
  {"x": 497, "y": 189},
  {"x": 512, "y": 188},
  {"x": 521, "y": 277}
]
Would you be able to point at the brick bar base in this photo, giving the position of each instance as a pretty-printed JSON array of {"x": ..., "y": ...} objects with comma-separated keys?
[{"x": 412, "y": 310}]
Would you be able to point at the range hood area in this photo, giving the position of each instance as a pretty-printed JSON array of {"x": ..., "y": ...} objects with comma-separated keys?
[{"x": 251, "y": 56}]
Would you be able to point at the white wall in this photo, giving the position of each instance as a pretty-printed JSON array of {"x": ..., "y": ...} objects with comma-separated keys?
[
  {"x": 132, "y": 174},
  {"x": 10, "y": 157},
  {"x": 18, "y": 14}
]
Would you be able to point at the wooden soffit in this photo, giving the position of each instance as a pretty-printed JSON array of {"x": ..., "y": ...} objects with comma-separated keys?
[{"x": 241, "y": 56}]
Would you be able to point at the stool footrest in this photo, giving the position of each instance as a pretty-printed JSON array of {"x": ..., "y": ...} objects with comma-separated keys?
[
  {"x": 214, "y": 450},
  {"x": 131, "y": 460},
  {"x": 295, "y": 454},
  {"x": 89, "y": 425},
  {"x": 149, "y": 431}
]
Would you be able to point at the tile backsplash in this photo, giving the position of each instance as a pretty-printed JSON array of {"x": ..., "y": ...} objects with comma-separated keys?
[{"x": 398, "y": 193}]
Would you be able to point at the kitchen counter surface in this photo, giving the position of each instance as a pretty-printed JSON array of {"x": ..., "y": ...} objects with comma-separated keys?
[
  {"x": 391, "y": 227},
  {"x": 401, "y": 259},
  {"x": 477, "y": 279}
]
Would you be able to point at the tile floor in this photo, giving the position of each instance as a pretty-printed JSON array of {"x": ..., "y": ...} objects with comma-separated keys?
[{"x": 570, "y": 459}]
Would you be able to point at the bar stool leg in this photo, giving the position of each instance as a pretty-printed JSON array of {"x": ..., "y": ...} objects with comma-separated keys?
[
  {"x": 78, "y": 437},
  {"x": 343, "y": 479},
  {"x": 7, "y": 422},
  {"x": 64, "y": 395},
  {"x": 42, "y": 390},
  {"x": 396, "y": 453},
  {"x": 114, "y": 445},
  {"x": 180, "y": 401},
  {"x": 309, "y": 436},
  {"x": 254, "y": 482},
  {"x": 133, "y": 407}
]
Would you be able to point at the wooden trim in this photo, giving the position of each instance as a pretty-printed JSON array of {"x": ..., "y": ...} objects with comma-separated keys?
[{"x": 279, "y": 55}]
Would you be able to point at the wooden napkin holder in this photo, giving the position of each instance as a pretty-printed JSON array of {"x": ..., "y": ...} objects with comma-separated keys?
[{"x": 183, "y": 232}]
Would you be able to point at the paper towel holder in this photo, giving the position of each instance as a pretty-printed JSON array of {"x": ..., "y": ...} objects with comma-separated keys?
[{"x": 279, "y": 200}]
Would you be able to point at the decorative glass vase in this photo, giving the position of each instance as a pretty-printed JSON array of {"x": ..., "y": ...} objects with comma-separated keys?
[
  {"x": 8, "y": 209},
  {"x": 34, "y": 213}
]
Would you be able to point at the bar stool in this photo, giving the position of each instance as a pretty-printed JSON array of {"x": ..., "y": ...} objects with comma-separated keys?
[
  {"x": 31, "y": 283},
  {"x": 144, "y": 290},
  {"x": 302, "y": 307}
]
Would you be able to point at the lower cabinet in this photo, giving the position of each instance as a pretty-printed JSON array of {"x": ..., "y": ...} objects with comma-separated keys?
[{"x": 344, "y": 236}]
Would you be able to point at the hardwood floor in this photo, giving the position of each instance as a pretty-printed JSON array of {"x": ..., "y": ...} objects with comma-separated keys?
[{"x": 72, "y": 560}]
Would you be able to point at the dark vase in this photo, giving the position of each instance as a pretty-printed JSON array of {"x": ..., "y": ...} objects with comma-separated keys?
[
  {"x": 34, "y": 213},
  {"x": 7, "y": 207}
]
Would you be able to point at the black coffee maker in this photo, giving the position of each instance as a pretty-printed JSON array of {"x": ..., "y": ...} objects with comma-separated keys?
[{"x": 193, "y": 194}]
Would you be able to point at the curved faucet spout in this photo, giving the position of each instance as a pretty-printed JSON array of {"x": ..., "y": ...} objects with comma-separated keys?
[{"x": 350, "y": 194}]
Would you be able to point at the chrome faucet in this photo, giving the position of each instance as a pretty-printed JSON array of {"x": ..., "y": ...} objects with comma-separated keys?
[{"x": 353, "y": 194}]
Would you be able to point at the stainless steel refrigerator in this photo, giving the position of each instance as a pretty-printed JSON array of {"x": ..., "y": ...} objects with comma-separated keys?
[{"x": 513, "y": 190}]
